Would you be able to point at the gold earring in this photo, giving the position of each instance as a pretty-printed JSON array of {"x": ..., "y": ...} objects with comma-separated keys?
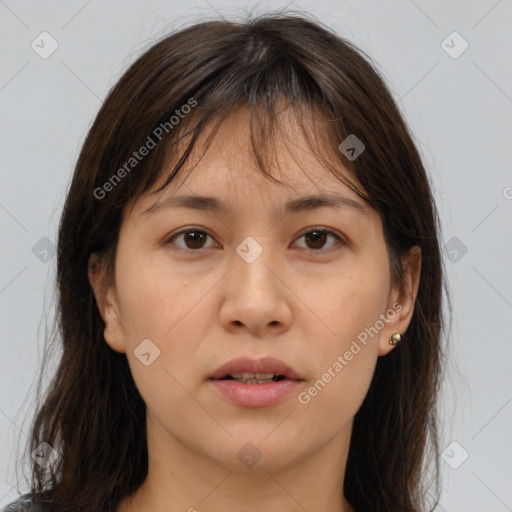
[{"x": 395, "y": 339}]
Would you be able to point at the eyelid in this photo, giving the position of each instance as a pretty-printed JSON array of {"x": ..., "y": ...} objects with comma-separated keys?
[{"x": 323, "y": 229}]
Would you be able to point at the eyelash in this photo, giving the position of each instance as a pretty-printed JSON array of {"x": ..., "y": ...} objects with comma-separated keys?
[{"x": 319, "y": 230}]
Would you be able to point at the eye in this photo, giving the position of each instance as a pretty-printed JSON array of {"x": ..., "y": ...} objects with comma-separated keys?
[
  {"x": 194, "y": 239},
  {"x": 317, "y": 238}
]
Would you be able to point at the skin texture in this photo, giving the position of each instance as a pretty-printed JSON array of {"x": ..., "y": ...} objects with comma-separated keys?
[{"x": 295, "y": 302}]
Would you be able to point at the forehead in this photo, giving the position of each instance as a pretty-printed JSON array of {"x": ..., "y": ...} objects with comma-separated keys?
[{"x": 226, "y": 167}]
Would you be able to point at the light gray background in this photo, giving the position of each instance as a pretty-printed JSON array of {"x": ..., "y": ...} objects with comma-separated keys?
[{"x": 458, "y": 108}]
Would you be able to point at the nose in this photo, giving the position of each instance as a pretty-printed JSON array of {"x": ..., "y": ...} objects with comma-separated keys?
[{"x": 257, "y": 297}]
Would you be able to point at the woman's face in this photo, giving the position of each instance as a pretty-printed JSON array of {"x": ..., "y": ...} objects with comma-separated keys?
[{"x": 198, "y": 287}]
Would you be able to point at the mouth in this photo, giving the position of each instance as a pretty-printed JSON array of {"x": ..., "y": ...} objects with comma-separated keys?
[
  {"x": 255, "y": 382},
  {"x": 254, "y": 378},
  {"x": 253, "y": 371}
]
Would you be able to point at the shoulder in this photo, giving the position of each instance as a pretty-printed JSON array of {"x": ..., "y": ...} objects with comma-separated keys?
[{"x": 24, "y": 505}]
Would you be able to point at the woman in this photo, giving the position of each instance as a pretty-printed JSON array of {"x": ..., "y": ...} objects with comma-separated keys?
[{"x": 250, "y": 287}]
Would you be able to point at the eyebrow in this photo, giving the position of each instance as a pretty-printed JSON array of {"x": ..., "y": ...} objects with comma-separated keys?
[{"x": 214, "y": 205}]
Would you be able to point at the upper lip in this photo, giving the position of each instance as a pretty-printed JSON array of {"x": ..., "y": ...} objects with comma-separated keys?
[{"x": 248, "y": 365}]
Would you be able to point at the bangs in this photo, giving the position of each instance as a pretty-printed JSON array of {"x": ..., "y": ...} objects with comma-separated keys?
[{"x": 274, "y": 127}]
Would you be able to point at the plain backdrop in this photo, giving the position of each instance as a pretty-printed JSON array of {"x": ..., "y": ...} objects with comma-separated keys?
[{"x": 455, "y": 91}]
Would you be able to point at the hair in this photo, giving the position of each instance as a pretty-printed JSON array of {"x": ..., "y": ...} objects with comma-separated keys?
[{"x": 92, "y": 413}]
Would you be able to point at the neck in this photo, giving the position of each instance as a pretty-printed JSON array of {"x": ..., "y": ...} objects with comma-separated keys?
[{"x": 181, "y": 480}]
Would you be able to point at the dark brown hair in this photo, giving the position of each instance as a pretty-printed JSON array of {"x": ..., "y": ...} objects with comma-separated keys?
[{"x": 92, "y": 412}]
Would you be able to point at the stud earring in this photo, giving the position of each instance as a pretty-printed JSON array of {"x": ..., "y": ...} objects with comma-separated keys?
[{"x": 395, "y": 339}]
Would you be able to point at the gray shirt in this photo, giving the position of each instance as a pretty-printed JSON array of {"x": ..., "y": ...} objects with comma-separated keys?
[{"x": 23, "y": 506}]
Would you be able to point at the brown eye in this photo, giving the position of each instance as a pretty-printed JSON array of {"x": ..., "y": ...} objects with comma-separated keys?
[
  {"x": 317, "y": 238},
  {"x": 193, "y": 239}
]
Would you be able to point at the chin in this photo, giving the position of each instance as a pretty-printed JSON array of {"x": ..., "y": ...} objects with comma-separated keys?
[{"x": 258, "y": 451}]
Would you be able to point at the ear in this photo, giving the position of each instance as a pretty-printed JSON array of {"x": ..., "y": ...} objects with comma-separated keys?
[
  {"x": 401, "y": 301},
  {"x": 106, "y": 301}
]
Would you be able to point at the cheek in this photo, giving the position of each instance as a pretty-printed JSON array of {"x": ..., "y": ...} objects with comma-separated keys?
[
  {"x": 346, "y": 352},
  {"x": 162, "y": 307},
  {"x": 351, "y": 304},
  {"x": 340, "y": 385},
  {"x": 153, "y": 298}
]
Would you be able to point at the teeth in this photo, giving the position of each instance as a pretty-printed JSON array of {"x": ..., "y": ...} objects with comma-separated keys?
[
  {"x": 253, "y": 381},
  {"x": 252, "y": 376}
]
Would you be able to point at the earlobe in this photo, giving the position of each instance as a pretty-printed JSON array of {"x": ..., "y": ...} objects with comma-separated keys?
[
  {"x": 96, "y": 279},
  {"x": 113, "y": 334},
  {"x": 107, "y": 304},
  {"x": 402, "y": 303}
]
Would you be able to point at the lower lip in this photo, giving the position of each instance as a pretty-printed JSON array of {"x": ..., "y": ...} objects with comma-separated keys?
[{"x": 255, "y": 395}]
